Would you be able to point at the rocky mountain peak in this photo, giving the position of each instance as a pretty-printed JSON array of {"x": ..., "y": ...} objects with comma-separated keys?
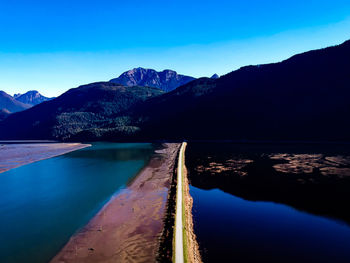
[
  {"x": 166, "y": 80},
  {"x": 32, "y": 97}
]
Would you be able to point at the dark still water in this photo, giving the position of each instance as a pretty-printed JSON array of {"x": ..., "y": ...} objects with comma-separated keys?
[
  {"x": 44, "y": 203},
  {"x": 270, "y": 203}
]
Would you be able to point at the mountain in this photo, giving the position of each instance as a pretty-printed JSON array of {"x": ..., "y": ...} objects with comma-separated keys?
[
  {"x": 10, "y": 105},
  {"x": 93, "y": 110},
  {"x": 305, "y": 97},
  {"x": 19, "y": 102},
  {"x": 166, "y": 80},
  {"x": 32, "y": 98},
  {"x": 215, "y": 76}
]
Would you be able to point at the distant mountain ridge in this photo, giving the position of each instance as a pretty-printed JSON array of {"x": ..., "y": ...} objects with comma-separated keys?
[
  {"x": 19, "y": 102},
  {"x": 166, "y": 80},
  {"x": 31, "y": 97},
  {"x": 9, "y": 105}
]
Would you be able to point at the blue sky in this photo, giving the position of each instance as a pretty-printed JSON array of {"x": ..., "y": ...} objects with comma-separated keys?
[{"x": 53, "y": 46}]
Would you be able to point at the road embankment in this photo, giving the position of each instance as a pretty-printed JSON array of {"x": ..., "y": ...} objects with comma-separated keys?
[{"x": 185, "y": 242}]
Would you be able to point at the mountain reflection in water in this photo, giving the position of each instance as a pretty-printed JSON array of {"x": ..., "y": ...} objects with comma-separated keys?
[{"x": 311, "y": 178}]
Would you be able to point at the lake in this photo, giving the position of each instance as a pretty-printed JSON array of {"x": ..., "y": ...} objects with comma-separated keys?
[
  {"x": 44, "y": 203},
  {"x": 270, "y": 202}
]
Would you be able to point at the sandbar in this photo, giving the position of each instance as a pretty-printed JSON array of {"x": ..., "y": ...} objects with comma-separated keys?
[
  {"x": 129, "y": 227},
  {"x": 17, "y": 154}
]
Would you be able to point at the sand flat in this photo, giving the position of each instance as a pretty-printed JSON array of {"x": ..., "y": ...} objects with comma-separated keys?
[
  {"x": 15, "y": 155},
  {"x": 129, "y": 226}
]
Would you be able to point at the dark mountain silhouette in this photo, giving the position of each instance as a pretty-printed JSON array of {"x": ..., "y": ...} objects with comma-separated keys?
[
  {"x": 94, "y": 109},
  {"x": 215, "y": 76},
  {"x": 32, "y": 98},
  {"x": 166, "y": 80},
  {"x": 305, "y": 97},
  {"x": 9, "y": 104},
  {"x": 4, "y": 114}
]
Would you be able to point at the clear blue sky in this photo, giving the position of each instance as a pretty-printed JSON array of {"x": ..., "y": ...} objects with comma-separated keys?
[{"x": 54, "y": 45}]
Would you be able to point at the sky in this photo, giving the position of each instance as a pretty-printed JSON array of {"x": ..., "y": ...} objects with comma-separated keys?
[{"x": 52, "y": 46}]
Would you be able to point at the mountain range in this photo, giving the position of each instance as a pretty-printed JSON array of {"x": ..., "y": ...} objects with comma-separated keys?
[
  {"x": 305, "y": 97},
  {"x": 9, "y": 105},
  {"x": 96, "y": 108},
  {"x": 19, "y": 102},
  {"x": 166, "y": 80},
  {"x": 31, "y": 98}
]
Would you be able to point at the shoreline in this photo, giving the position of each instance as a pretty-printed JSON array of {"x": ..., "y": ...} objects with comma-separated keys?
[
  {"x": 192, "y": 250},
  {"x": 19, "y": 154},
  {"x": 185, "y": 241},
  {"x": 129, "y": 227}
]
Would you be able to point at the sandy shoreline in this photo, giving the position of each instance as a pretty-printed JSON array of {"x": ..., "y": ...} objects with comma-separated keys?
[
  {"x": 128, "y": 227},
  {"x": 15, "y": 155}
]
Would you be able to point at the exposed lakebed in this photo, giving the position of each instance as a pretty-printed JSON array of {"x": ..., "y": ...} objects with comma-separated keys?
[
  {"x": 44, "y": 203},
  {"x": 270, "y": 202}
]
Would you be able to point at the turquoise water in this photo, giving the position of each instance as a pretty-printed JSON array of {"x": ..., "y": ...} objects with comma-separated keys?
[{"x": 42, "y": 204}]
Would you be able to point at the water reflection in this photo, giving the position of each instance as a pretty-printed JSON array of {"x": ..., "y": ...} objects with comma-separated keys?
[
  {"x": 313, "y": 178},
  {"x": 250, "y": 202}
]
